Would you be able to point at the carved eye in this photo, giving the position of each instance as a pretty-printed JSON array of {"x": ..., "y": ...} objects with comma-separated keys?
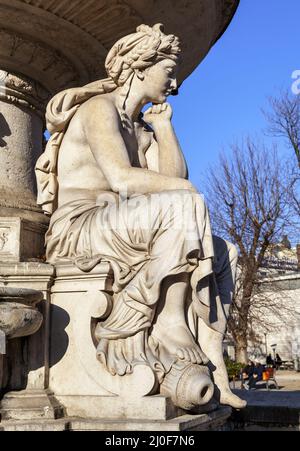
[{"x": 170, "y": 71}]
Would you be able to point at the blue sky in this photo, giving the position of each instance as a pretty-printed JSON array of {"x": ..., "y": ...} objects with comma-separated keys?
[{"x": 222, "y": 100}]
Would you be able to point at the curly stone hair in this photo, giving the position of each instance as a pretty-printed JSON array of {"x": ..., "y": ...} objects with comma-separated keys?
[{"x": 140, "y": 50}]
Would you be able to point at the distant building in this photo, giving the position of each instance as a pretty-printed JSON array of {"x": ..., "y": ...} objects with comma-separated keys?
[
  {"x": 281, "y": 258},
  {"x": 280, "y": 282}
]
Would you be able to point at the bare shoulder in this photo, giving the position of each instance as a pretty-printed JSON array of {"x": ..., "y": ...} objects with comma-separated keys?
[{"x": 101, "y": 106}]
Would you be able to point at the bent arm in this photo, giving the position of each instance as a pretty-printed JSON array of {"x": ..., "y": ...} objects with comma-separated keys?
[
  {"x": 101, "y": 124},
  {"x": 171, "y": 160}
]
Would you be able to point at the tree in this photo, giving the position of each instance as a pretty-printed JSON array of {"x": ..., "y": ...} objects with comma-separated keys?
[
  {"x": 248, "y": 198},
  {"x": 284, "y": 122}
]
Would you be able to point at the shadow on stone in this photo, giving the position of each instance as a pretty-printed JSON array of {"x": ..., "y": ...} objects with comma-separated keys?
[
  {"x": 4, "y": 130},
  {"x": 59, "y": 341}
]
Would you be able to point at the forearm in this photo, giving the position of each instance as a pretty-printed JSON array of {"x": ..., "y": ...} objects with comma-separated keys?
[
  {"x": 142, "y": 181},
  {"x": 171, "y": 159}
]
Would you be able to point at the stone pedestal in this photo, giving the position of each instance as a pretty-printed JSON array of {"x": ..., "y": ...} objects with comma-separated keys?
[
  {"x": 81, "y": 383},
  {"x": 30, "y": 405},
  {"x": 78, "y": 380},
  {"x": 26, "y": 365}
]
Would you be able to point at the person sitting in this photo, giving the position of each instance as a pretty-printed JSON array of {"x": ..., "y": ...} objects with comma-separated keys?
[
  {"x": 256, "y": 376},
  {"x": 247, "y": 373}
]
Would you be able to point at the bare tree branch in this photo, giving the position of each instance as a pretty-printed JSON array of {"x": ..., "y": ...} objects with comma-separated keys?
[
  {"x": 249, "y": 199},
  {"x": 284, "y": 120}
]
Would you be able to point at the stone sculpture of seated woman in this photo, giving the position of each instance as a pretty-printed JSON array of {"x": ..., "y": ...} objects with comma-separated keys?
[{"x": 115, "y": 182}]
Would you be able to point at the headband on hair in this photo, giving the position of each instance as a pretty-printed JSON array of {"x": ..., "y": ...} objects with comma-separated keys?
[{"x": 139, "y": 51}]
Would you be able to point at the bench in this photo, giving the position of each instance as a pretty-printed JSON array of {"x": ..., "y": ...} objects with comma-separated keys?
[
  {"x": 268, "y": 379},
  {"x": 269, "y": 376}
]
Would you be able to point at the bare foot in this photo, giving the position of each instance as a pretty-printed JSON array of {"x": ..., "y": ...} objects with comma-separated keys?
[
  {"x": 178, "y": 341},
  {"x": 229, "y": 399},
  {"x": 119, "y": 356}
]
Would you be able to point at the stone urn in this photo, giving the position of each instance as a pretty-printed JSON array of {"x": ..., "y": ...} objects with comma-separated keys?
[{"x": 18, "y": 314}]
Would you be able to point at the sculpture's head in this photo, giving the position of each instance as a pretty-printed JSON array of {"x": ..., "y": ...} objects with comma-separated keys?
[{"x": 151, "y": 56}]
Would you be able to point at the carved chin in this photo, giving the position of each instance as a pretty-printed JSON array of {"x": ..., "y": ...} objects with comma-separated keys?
[
  {"x": 163, "y": 97},
  {"x": 160, "y": 98}
]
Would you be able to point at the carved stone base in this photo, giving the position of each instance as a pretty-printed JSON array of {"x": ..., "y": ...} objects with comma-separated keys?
[
  {"x": 77, "y": 378},
  {"x": 213, "y": 421},
  {"x": 77, "y": 297},
  {"x": 30, "y": 405},
  {"x": 149, "y": 408},
  {"x": 20, "y": 239},
  {"x": 83, "y": 385}
]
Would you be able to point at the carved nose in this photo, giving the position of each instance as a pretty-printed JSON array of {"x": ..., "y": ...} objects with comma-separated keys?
[{"x": 174, "y": 84}]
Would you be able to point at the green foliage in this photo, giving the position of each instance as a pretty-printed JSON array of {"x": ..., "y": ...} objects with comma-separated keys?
[{"x": 233, "y": 368}]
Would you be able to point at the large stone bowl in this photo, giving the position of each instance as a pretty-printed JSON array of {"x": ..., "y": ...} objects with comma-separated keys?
[
  {"x": 63, "y": 43},
  {"x": 18, "y": 314}
]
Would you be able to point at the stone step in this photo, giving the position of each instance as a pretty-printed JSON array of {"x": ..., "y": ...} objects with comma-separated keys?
[
  {"x": 213, "y": 421},
  {"x": 30, "y": 405}
]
